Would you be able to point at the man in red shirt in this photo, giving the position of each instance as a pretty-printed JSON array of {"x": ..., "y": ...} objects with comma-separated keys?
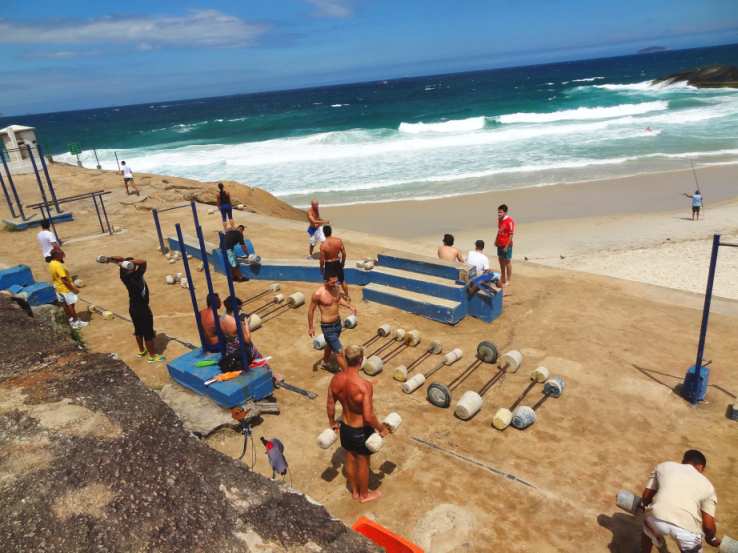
[{"x": 504, "y": 243}]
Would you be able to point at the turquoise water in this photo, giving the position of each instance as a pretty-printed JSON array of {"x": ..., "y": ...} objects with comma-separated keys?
[{"x": 428, "y": 136}]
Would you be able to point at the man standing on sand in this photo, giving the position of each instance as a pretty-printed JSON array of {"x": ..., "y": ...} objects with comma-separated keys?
[
  {"x": 448, "y": 252},
  {"x": 333, "y": 258},
  {"x": 358, "y": 422},
  {"x": 696, "y": 204},
  {"x": 328, "y": 299},
  {"x": 66, "y": 291},
  {"x": 504, "y": 243},
  {"x": 680, "y": 502},
  {"x": 128, "y": 179},
  {"x": 47, "y": 240},
  {"x": 223, "y": 201},
  {"x": 315, "y": 229}
]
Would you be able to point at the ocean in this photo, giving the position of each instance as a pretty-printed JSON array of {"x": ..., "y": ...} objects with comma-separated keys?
[{"x": 423, "y": 137}]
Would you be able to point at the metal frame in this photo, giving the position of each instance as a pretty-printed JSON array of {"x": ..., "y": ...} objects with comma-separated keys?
[
  {"x": 157, "y": 225},
  {"x": 12, "y": 186},
  {"x": 45, "y": 209}
]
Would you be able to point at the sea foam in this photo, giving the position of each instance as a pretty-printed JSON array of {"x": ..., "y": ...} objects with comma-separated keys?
[
  {"x": 585, "y": 113},
  {"x": 454, "y": 125}
]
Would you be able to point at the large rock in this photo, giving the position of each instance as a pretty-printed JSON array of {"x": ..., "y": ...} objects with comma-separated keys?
[{"x": 711, "y": 76}]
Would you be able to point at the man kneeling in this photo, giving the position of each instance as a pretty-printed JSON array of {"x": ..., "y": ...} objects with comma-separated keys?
[{"x": 359, "y": 422}]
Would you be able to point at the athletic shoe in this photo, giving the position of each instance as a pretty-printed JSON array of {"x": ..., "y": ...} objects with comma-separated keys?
[
  {"x": 156, "y": 358},
  {"x": 142, "y": 354}
]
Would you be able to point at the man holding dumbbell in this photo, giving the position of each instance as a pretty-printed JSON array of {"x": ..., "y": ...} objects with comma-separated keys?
[
  {"x": 358, "y": 422},
  {"x": 680, "y": 503}
]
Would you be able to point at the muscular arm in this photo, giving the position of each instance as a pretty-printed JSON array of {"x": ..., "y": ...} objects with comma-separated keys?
[
  {"x": 311, "y": 314},
  {"x": 330, "y": 407},
  {"x": 367, "y": 411},
  {"x": 710, "y": 529},
  {"x": 322, "y": 259},
  {"x": 646, "y": 497},
  {"x": 343, "y": 254}
]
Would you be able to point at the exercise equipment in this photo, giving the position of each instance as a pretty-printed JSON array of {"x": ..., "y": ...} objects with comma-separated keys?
[
  {"x": 366, "y": 264},
  {"x": 293, "y": 301},
  {"x": 503, "y": 417},
  {"x": 440, "y": 394},
  {"x": 382, "y": 332},
  {"x": 350, "y": 322},
  {"x": 628, "y": 501},
  {"x": 170, "y": 279},
  {"x": 471, "y": 402},
  {"x": 419, "y": 379},
  {"x": 277, "y": 299},
  {"x": 273, "y": 287},
  {"x": 728, "y": 545},
  {"x": 397, "y": 336},
  {"x": 79, "y": 283},
  {"x": 401, "y": 371},
  {"x": 373, "y": 443},
  {"x": 524, "y": 416},
  {"x": 375, "y": 363}
]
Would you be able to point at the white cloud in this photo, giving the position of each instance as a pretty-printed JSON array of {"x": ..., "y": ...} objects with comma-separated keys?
[
  {"x": 332, "y": 8},
  {"x": 201, "y": 28}
]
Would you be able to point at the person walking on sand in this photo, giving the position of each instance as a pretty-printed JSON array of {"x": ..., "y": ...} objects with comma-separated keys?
[
  {"x": 223, "y": 200},
  {"x": 128, "y": 179},
  {"x": 355, "y": 395},
  {"x": 504, "y": 243},
  {"x": 696, "y": 204},
  {"x": 328, "y": 299},
  {"x": 315, "y": 228},
  {"x": 333, "y": 258},
  {"x": 66, "y": 291},
  {"x": 680, "y": 503},
  {"x": 447, "y": 251}
]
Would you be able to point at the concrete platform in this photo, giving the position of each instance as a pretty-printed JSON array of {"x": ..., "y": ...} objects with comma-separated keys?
[
  {"x": 438, "y": 309},
  {"x": 423, "y": 264},
  {"x": 36, "y": 219},
  {"x": 418, "y": 282}
]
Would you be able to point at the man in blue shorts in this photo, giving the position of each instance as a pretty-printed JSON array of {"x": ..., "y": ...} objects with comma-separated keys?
[{"x": 504, "y": 243}]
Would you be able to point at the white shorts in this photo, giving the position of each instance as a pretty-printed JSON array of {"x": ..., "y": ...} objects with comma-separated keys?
[
  {"x": 70, "y": 298},
  {"x": 657, "y": 529},
  {"x": 317, "y": 236}
]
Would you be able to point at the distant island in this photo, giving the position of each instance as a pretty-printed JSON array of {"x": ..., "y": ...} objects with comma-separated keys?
[
  {"x": 652, "y": 49},
  {"x": 710, "y": 76}
]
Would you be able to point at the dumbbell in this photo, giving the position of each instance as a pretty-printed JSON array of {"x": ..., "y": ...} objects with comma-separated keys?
[
  {"x": 294, "y": 301},
  {"x": 524, "y": 416},
  {"x": 397, "y": 336},
  {"x": 419, "y": 379},
  {"x": 273, "y": 287},
  {"x": 471, "y": 402},
  {"x": 102, "y": 259},
  {"x": 402, "y": 371},
  {"x": 440, "y": 394},
  {"x": 276, "y": 299},
  {"x": 382, "y": 332},
  {"x": 373, "y": 443},
  {"x": 503, "y": 417},
  {"x": 251, "y": 259},
  {"x": 375, "y": 364},
  {"x": 350, "y": 322}
]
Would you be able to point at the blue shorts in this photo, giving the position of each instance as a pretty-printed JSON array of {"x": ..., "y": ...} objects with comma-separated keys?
[
  {"x": 332, "y": 335},
  {"x": 226, "y": 212},
  {"x": 505, "y": 253}
]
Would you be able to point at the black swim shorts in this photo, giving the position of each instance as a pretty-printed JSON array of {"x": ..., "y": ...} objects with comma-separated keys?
[
  {"x": 352, "y": 439},
  {"x": 335, "y": 268},
  {"x": 143, "y": 322}
]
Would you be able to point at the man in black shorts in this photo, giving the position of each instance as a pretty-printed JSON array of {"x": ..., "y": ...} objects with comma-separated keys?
[
  {"x": 132, "y": 275},
  {"x": 231, "y": 239},
  {"x": 333, "y": 258}
]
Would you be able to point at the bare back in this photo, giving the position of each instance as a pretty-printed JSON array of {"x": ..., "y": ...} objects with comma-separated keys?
[
  {"x": 449, "y": 253},
  {"x": 353, "y": 392},
  {"x": 331, "y": 248}
]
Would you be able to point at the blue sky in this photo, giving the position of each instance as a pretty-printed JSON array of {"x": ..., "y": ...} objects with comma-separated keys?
[{"x": 74, "y": 54}]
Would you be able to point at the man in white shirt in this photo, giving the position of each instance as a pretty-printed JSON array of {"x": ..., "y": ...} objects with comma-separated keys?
[
  {"x": 128, "y": 178},
  {"x": 476, "y": 258},
  {"x": 47, "y": 240},
  {"x": 680, "y": 502}
]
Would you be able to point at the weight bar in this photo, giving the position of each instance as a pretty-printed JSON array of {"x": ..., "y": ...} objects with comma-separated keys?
[
  {"x": 398, "y": 336},
  {"x": 471, "y": 402},
  {"x": 319, "y": 341},
  {"x": 294, "y": 301},
  {"x": 276, "y": 299},
  {"x": 373, "y": 443},
  {"x": 440, "y": 394},
  {"x": 419, "y": 379},
  {"x": 273, "y": 287},
  {"x": 402, "y": 371},
  {"x": 503, "y": 417},
  {"x": 524, "y": 416},
  {"x": 375, "y": 364}
]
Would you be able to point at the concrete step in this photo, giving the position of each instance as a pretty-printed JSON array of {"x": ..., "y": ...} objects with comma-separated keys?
[
  {"x": 423, "y": 264},
  {"x": 438, "y": 309},
  {"x": 418, "y": 282}
]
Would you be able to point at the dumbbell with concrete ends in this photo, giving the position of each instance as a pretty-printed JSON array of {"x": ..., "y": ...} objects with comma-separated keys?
[
  {"x": 396, "y": 335},
  {"x": 373, "y": 443},
  {"x": 183, "y": 283},
  {"x": 375, "y": 364},
  {"x": 79, "y": 283},
  {"x": 366, "y": 264},
  {"x": 382, "y": 332},
  {"x": 126, "y": 265},
  {"x": 524, "y": 416},
  {"x": 503, "y": 417},
  {"x": 319, "y": 341},
  {"x": 471, "y": 402},
  {"x": 416, "y": 381},
  {"x": 628, "y": 501},
  {"x": 350, "y": 322},
  {"x": 273, "y": 287},
  {"x": 293, "y": 301},
  {"x": 440, "y": 394},
  {"x": 276, "y": 300},
  {"x": 400, "y": 373},
  {"x": 102, "y": 259},
  {"x": 170, "y": 279}
]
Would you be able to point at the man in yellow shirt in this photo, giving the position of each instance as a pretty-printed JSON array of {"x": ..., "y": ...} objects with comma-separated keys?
[{"x": 66, "y": 291}]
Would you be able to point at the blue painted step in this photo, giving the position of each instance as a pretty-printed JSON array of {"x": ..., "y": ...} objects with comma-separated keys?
[
  {"x": 39, "y": 293},
  {"x": 19, "y": 275},
  {"x": 423, "y": 264},
  {"x": 418, "y": 282},
  {"x": 438, "y": 309}
]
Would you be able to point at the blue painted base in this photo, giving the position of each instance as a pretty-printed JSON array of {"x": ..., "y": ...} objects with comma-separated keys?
[
  {"x": 695, "y": 387},
  {"x": 40, "y": 293},
  {"x": 450, "y": 314},
  {"x": 421, "y": 264},
  {"x": 19, "y": 275},
  {"x": 35, "y": 221},
  {"x": 253, "y": 385},
  {"x": 485, "y": 306}
]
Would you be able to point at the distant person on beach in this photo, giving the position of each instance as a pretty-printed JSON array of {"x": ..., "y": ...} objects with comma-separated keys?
[
  {"x": 355, "y": 395},
  {"x": 447, "y": 251},
  {"x": 315, "y": 228},
  {"x": 128, "y": 179},
  {"x": 223, "y": 200},
  {"x": 680, "y": 502},
  {"x": 696, "y": 204},
  {"x": 504, "y": 243},
  {"x": 66, "y": 291},
  {"x": 207, "y": 320},
  {"x": 333, "y": 258},
  {"x": 477, "y": 259},
  {"x": 47, "y": 240},
  {"x": 231, "y": 239}
]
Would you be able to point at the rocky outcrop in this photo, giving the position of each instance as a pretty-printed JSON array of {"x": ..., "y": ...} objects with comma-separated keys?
[
  {"x": 92, "y": 460},
  {"x": 711, "y": 76}
]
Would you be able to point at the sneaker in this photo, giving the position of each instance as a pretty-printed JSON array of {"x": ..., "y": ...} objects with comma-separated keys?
[
  {"x": 142, "y": 354},
  {"x": 78, "y": 324},
  {"x": 156, "y": 358}
]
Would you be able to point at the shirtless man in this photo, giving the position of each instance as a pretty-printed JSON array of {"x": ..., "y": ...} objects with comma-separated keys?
[
  {"x": 448, "y": 252},
  {"x": 333, "y": 257},
  {"x": 359, "y": 422},
  {"x": 210, "y": 325},
  {"x": 328, "y": 299},
  {"x": 315, "y": 229}
]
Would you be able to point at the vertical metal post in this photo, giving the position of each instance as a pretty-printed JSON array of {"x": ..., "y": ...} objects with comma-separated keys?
[
  {"x": 236, "y": 310},
  {"x": 97, "y": 210},
  {"x": 12, "y": 185},
  {"x": 105, "y": 214},
  {"x": 38, "y": 179},
  {"x": 96, "y": 159},
  {"x": 116, "y": 160},
  {"x": 7, "y": 197},
  {"x": 209, "y": 280},
  {"x": 155, "y": 215},
  {"x": 191, "y": 284},
  {"x": 48, "y": 178},
  {"x": 48, "y": 217},
  {"x": 193, "y": 205}
]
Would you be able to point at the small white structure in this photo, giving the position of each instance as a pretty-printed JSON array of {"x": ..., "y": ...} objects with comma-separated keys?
[{"x": 14, "y": 140}]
